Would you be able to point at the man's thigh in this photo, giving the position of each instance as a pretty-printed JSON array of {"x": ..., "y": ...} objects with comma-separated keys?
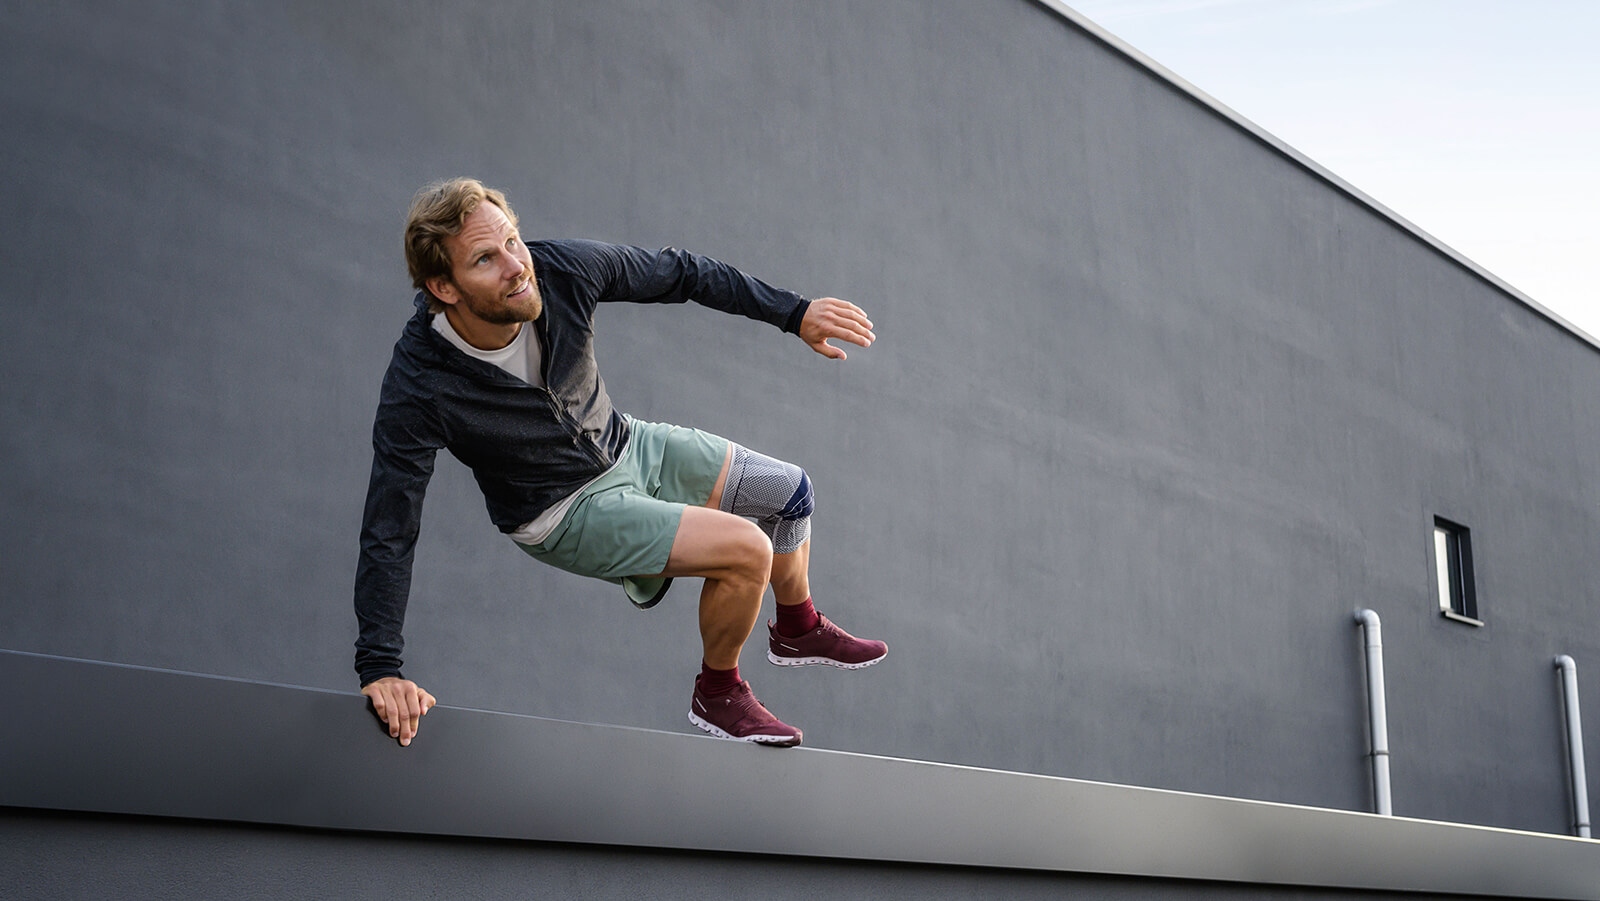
[{"x": 714, "y": 544}]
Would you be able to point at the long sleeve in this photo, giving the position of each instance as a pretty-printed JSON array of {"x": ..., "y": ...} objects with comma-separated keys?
[
  {"x": 405, "y": 443},
  {"x": 669, "y": 275}
]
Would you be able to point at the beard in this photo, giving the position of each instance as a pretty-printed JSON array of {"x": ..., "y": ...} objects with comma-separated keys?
[{"x": 499, "y": 310}]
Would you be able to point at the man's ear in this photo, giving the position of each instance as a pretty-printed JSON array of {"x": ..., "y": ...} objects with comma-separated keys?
[{"x": 443, "y": 289}]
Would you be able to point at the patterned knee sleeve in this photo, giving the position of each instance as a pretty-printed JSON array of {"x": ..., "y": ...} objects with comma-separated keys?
[{"x": 777, "y": 495}]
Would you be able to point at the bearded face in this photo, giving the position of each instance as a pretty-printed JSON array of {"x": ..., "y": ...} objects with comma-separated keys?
[{"x": 491, "y": 281}]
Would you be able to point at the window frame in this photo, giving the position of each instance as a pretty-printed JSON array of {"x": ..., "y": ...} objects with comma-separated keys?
[{"x": 1455, "y": 585}]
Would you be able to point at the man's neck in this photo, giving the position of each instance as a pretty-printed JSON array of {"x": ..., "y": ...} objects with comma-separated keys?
[{"x": 480, "y": 334}]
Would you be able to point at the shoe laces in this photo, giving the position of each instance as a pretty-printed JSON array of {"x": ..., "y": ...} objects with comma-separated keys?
[{"x": 745, "y": 701}]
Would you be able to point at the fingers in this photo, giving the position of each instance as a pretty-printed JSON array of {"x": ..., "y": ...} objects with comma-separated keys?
[
  {"x": 846, "y": 321},
  {"x": 418, "y": 702},
  {"x": 385, "y": 703},
  {"x": 827, "y": 350},
  {"x": 830, "y": 317},
  {"x": 400, "y": 704},
  {"x": 408, "y": 711}
]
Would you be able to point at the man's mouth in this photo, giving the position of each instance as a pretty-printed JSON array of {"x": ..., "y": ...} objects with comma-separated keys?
[{"x": 522, "y": 289}]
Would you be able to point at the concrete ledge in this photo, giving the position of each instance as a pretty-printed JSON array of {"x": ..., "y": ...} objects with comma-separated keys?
[{"x": 87, "y": 736}]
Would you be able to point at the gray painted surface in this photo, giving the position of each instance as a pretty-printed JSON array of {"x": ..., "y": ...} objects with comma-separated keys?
[
  {"x": 493, "y": 775},
  {"x": 134, "y": 859},
  {"x": 1153, "y": 410}
]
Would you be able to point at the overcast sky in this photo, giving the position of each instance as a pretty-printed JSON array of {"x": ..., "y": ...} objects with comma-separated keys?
[{"x": 1478, "y": 121}]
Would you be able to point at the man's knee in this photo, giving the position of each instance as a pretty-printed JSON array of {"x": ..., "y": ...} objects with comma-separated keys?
[
  {"x": 750, "y": 552},
  {"x": 766, "y": 489},
  {"x": 801, "y": 503}
]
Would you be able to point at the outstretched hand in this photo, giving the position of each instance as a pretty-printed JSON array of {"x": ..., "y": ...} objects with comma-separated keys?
[
  {"x": 830, "y": 317},
  {"x": 400, "y": 703}
]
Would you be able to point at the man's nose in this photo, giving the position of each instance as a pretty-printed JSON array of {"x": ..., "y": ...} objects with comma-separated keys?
[{"x": 510, "y": 266}]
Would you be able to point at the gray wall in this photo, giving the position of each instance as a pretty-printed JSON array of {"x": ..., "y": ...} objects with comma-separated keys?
[{"x": 1154, "y": 409}]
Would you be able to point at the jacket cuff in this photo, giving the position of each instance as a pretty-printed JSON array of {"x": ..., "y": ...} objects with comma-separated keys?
[
  {"x": 369, "y": 678},
  {"x": 792, "y": 324}
]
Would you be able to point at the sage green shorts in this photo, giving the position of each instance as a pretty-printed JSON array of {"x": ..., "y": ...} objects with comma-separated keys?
[{"x": 622, "y": 525}]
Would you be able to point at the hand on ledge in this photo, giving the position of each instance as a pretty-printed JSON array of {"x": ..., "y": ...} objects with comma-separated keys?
[{"x": 400, "y": 704}]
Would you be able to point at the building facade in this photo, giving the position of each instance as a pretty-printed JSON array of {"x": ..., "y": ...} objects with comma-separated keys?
[{"x": 1157, "y": 403}]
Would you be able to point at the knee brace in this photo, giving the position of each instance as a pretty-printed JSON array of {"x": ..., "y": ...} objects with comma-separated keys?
[{"x": 777, "y": 495}]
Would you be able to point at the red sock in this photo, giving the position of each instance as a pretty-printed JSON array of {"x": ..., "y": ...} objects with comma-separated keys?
[
  {"x": 795, "y": 620},
  {"x": 717, "y": 681}
]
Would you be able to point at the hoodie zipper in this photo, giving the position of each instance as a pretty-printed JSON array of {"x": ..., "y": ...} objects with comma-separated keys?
[{"x": 573, "y": 428}]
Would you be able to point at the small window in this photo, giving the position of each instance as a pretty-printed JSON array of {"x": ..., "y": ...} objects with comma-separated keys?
[{"x": 1452, "y": 561}]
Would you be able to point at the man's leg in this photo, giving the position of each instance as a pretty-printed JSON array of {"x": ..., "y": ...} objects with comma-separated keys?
[
  {"x": 778, "y": 496},
  {"x": 710, "y": 540},
  {"x": 735, "y": 559},
  {"x": 791, "y": 572},
  {"x": 791, "y": 582}
]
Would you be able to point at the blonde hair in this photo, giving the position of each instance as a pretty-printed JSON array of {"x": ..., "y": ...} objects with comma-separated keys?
[{"x": 437, "y": 213}]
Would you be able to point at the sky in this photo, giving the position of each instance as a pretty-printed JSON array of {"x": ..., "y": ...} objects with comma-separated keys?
[{"x": 1477, "y": 121}]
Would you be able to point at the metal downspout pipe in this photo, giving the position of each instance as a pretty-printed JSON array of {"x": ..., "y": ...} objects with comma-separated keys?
[
  {"x": 1568, "y": 671},
  {"x": 1377, "y": 712}
]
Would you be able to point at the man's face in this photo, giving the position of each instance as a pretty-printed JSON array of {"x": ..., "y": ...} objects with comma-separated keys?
[{"x": 491, "y": 272}]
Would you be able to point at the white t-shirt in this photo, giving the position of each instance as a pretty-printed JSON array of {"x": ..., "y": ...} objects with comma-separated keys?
[{"x": 521, "y": 357}]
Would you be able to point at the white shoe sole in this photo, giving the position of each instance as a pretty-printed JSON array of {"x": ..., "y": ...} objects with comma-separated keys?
[
  {"x": 820, "y": 661},
  {"x": 780, "y": 740}
]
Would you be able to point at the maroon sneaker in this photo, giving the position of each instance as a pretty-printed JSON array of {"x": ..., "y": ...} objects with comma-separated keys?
[
  {"x": 827, "y": 644},
  {"x": 736, "y": 714}
]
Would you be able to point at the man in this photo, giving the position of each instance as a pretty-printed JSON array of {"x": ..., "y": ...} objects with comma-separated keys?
[{"x": 497, "y": 366}]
